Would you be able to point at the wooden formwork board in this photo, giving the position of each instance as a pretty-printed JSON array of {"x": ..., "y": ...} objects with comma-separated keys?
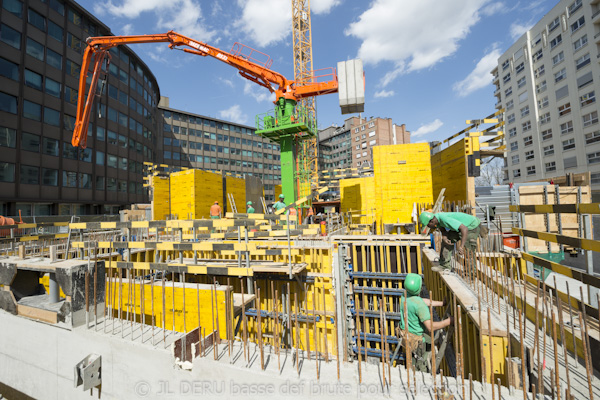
[{"x": 534, "y": 195}]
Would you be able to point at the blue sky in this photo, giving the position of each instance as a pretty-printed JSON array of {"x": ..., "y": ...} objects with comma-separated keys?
[{"x": 427, "y": 62}]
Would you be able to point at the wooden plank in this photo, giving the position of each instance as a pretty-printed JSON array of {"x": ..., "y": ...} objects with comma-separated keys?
[
  {"x": 37, "y": 313},
  {"x": 580, "y": 243}
]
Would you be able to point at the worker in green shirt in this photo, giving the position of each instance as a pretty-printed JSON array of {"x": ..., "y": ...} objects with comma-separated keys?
[
  {"x": 280, "y": 204},
  {"x": 420, "y": 324},
  {"x": 460, "y": 228},
  {"x": 250, "y": 209}
]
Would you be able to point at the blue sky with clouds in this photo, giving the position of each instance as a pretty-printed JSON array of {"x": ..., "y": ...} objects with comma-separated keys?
[{"x": 427, "y": 62}]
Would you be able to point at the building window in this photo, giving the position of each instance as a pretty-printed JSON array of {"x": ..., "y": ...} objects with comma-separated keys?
[
  {"x": 511, "y": 118},
  {"x": 30, "y": 142},
  {"x": 9, "y": 36},
  {"x": 555, "y": 42},
  {"x": 545, "y": 118},
  {"x": 9, "y": 69},
  {"x": 539, "y": 72},
  {"x": 529, "y": 155},
  {"x": 53, "y": 59},
  {"x": 576, "y": 5},
  {"x": 50, "y": 147},
  {"x": 590, "y": 119},
  {"x": 528, "y": 140},
  {"x": 543, "y": 103},
  {"x": 537, "y": 55},
  {"x": 7, "y": 172},
  {"x": 579, "y": 43},
  {"x": 34, "y": 49},
  {"x": 547, "y": 134},
  {"x": 587, "y": 98},
  {"x": 564, "y": 109},
  {"x": 505, "y": 65},
  {"x": 560, "y": 75},
  {"x": 593, "y": 137},
  {"x": 36, "y": 20},
  {"x": 593, "y": 158},
  {"x": 524, "y": 111},
  {"x": 519, "y": 68},
  {"x": 549, "y": 150},
  {"x": 550, "y": 166},
  {"x": 516, "y": 173},
  {"x": 526, "y": 126},
  {"x": 582, "y": 61},
  {"x": 554, "y": 24},
  {"x": 509, "y": 105},
  {"x": 540, "y": 87},
  {"x": 14, "y": 7},
  {"x": 32, "y": 110},
  {"x": 515, "y": 159},
  {"x": 51, "y": 116},
  {"x": 512, "y": 132},
  {"x": 521, "y": 82},
  {"x": 568, "y": 144},
  {"x": 567, "y": 127},
  {"x": 514, "y": 146},
  {"x": 49, "y": 177},
  {"x": 575, "y": 26},
  {"x": 8, "y": 137},
  {"x": 506, "y": 78},
  {"x": 557, "y": 59},
  {"x": 508, "y": 92},
  {"x": 69, "y": 179},
  {"x": 52, "y": 87},
  {"x": 29, "y": 175},
  {"x": 595, "y": 179},
  {"x": 33, "y": 80},
  {"x": 531, "y": 170}
]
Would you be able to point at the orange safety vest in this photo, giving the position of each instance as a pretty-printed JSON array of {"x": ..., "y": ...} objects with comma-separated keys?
[
  {"x": 215, "y": 210},
  {"x": 292, "y": 211}
]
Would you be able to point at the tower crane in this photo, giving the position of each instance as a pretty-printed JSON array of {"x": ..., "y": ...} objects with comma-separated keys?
[{"x": 286, "y": 123}]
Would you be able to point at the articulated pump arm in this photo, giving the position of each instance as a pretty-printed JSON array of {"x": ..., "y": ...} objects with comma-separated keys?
[{"x": 97, "y": 51}]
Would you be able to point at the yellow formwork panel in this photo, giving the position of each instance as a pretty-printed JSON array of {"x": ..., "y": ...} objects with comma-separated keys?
[
  {"x": 173, "y": 310},
  {"x": 160, "y": 197},
  {"x": 237, "y": 188},
  {"x": 193, "y": 192},
  {"x": 450, "y": 170}
]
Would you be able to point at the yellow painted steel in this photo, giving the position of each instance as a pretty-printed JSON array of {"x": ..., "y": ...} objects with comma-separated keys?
[{"x": 161, "y": 198}]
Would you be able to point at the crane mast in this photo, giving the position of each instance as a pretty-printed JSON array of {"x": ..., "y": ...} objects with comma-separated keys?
[{"x": 306, "y": 150}]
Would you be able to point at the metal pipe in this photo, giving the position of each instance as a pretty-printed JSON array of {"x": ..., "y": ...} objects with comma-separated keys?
[{"x": 54, "y": 289}]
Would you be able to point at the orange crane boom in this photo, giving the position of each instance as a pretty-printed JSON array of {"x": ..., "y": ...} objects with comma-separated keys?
[{"x": 97, "y": 51}]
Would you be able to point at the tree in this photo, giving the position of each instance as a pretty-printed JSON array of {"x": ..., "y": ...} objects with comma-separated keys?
[{"x": 492, "y": 172}]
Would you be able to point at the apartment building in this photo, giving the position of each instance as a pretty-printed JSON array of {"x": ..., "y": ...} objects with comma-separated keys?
[
  {"x": 363, "y": 134},
  {"x": 196, "y": 141},
  {"x": 547, "y": 82},
  {"x": 367, "y": 133}
]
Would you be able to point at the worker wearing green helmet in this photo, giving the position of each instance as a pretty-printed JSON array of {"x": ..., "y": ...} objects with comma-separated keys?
[
  {"x": 420, "y": 324},
  {"x": 249, "y": 207},
  {"x": 280, "y": 204},
  {"x": 460, "y": 228}
]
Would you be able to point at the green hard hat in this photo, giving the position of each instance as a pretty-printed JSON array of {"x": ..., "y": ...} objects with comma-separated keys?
[
  {"x": 281, "y": 196},
  {"x": 425, "y": 217},
  {"x": 249, "y": 203},
  {"x": 412, "y": 284}
]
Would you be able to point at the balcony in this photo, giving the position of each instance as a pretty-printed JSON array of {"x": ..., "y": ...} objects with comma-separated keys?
[
  {"x": 595, "y": 15},
  {"x": 498, "y": 105}
]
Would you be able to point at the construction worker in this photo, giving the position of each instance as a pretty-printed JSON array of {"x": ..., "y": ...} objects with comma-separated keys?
[
  {"x": 459, "y": 228},
  {"x": 249, "y": 207},
  {"x": 309, "y": 216},
  {"x": 280, "y": 204},
  {"x": 421, "y": 326},
  {"x": 215, "y": 211}
]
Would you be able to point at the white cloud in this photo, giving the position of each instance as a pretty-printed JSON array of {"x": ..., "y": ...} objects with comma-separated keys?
[
  {"x": 384, "y": 93},
  {"x": 183, "y": 16},
  {"x": 413, "y": 34},
  {"x": 265, "y": 21},
  {"x": 127, "y": 29},
  {"x": 234, "y": 114},
  {"x": 494, "y": 9},
  {"x": 226, "y": 82},
  {"x": 259, "y": 93},
  {"x": 480, "y": 77},
  {"x": 517, "y": 29},
  {"x": 427, "y": 128},
  {"x": 270, "y": 21}
]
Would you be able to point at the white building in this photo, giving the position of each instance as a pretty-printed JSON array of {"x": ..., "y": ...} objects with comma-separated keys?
[{"x": 547, "y": 82}]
